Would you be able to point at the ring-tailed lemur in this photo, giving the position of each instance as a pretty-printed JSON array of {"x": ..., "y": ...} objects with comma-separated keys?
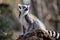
[{"x": 27, "y": 20}]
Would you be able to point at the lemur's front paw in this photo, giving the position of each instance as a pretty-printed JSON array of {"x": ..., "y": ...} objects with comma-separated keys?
[
  {"x": 20, "y": 36},
  {"x": 26, "y": 33}
]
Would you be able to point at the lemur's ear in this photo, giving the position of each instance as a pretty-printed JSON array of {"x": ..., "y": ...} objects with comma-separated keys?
[
  {"x": 28, "y": 6},
  {"x": 19, "y": 4}
]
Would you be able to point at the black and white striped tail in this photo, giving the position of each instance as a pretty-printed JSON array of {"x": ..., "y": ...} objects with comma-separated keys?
[{"x": 54, "y": 34}]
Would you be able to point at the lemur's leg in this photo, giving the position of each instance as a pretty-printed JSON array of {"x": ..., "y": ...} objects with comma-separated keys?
[
  {"x": 30, "y": 27},
  {"x": 21, "y": 30},
  {"x": 24, "y": 30}
]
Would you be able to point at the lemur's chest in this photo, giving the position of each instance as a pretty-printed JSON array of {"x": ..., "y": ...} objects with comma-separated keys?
[{"x": 23, "y": 21}]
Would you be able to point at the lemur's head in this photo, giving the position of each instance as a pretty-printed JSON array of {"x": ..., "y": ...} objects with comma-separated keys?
[{"x": 23, "y": 9}]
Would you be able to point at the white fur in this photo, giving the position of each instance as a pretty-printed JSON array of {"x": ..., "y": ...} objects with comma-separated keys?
[{"x": 57, "y": 35}]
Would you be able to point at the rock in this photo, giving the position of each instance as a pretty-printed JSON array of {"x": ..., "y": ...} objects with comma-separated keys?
[{"x": 36, "y": 34}]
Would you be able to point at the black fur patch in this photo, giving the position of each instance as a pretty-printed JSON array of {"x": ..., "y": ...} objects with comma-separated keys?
[
  {"x": 27, "y": 19},
  {"x": 52, "y": 33},
  {"x": 24, "y": 29},
  {"x": 56, "y": 34},
  {"x": 26, "y": 9},
  {"x": 49, "y": 32},
  {"x": 19, "y": 14}
]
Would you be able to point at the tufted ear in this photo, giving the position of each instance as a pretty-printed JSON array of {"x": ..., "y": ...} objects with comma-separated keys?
[
  {"x": 19, "y": 4},
  {"x": 28, "y": 6}
]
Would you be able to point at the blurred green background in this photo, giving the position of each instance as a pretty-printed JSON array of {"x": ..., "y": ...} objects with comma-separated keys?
[{"x": 48, "y": 11}]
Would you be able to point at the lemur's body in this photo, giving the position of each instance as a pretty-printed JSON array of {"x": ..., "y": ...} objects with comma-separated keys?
[{"x": 27, "y": 20}]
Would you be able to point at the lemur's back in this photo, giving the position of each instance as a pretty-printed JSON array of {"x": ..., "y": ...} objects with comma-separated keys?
[{"x": 37, "y": 21}]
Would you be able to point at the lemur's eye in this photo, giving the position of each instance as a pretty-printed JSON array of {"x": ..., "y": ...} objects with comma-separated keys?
[
  {"x": 19, "y": 7},
  {"x": 26, "y": 9}
]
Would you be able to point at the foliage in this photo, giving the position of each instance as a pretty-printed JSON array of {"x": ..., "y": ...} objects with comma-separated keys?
[{"x": 6, "y": 23}]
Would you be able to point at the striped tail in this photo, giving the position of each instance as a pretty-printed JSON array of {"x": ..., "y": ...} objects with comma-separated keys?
[{"x": 54, "y": 34}]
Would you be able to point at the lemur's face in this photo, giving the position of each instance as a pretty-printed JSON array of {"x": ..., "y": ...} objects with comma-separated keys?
[{"x": 23, "y": 9}]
